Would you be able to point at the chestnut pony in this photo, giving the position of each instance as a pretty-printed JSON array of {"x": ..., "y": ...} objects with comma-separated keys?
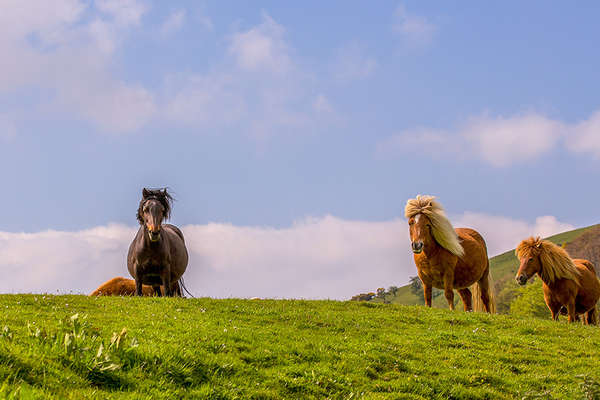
[
  {"x": 157, "y": 256},
  {"x": 120, "y": 286},
  {"x": 567, "y": 282},
  {"x": 448, "y": 258}
]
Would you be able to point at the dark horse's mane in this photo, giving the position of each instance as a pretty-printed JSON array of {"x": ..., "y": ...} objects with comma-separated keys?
[{"x": 157, "y": 194}]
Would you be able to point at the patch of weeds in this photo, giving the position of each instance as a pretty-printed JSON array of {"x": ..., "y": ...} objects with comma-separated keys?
[
  {"x": 368, "y": 304},
  {"x": 457, "y": 322},
  {"x": 22, "y": 391},
  {"x": 589, "y": 387},
  {"x": 6, "y": 333},
  {"x": 532, "y": 395},
  {"x": 82, "y": 350}
]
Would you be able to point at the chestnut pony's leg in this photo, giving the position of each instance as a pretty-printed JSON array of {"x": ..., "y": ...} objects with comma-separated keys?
[
  {"x": 427, "y": 293},
  {"x": 449, "y": 288},
  {"x": 467, "y": 298},
  {"x": 484, "y": 288},
  {"x": 571, "y": 309}
]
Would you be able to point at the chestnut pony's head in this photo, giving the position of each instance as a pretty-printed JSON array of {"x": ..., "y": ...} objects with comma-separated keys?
[
  {"x": 551, "y": 262},
  {"x": 429, "y": 226}
]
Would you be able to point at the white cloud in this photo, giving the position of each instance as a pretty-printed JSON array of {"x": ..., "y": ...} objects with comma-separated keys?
[
  {"x": 503, "y": 233},
  {"x": 72, "y": 58},
  {"x": 258, "y": 89},
  {"x": 173, "y": 23},
  {"x": 504, "y": 141},
  {"x": 499, "y": 141},
  {"x": 207, "y": 101},
  {"x": 8, "y": 128},
  {"x": 351, "y": 63},
  {"x": 261, "y": 48},
  {"x": 415, "y": 30},
  {"x": 43, "y": 18},
  {"x": 124, "y": 12},
  {"x": 325, "y": 257},
  {"x": 421, "y": 140},
  {"x": 322, "y": 105},
  {"x": 584, "y": 137},
  {"x": 204, "y": 20},
  {"x": 63, "y": 261}
]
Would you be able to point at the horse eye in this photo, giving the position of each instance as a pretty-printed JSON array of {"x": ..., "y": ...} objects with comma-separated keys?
[{"x": 530, "y": 259}]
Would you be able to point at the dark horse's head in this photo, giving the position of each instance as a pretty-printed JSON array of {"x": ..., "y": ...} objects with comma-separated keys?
[{"x": 155, "y": 207}]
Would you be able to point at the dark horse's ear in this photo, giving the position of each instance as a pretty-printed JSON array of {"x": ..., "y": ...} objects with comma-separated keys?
[
  {"x": 145, "y": 193},
  {"x": 165, "y": 191}
]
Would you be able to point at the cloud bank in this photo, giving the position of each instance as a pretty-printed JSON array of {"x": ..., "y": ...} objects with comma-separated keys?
[{"x": 324, "y": 257}]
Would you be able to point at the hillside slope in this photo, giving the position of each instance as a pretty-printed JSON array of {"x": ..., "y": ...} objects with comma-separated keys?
[
  {"x": 580, "y": 243},
  {"x": 75, "y": 347}
]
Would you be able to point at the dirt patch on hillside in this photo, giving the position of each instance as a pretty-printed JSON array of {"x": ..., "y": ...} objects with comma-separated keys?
[{"x": 587, "y": 246}]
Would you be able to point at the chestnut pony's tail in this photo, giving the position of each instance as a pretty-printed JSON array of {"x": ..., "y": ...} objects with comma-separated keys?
[{"x": 476, "y": 291}]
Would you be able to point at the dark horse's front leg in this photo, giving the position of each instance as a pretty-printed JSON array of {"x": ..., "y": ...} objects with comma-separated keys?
[
  {"x": 138, "y": 286},
  {"x": 166, "y": 278}
]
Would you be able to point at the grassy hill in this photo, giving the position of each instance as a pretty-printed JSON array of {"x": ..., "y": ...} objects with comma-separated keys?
[
  {"x": 581, "y": 243},
  {"x": 76, "y": 347}
]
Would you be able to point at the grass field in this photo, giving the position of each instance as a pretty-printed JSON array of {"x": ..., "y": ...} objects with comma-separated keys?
[{"x": 75, "y": 347}]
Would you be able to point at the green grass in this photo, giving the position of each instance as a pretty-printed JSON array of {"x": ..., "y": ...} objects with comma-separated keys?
[{"x": 268, "y": 349}]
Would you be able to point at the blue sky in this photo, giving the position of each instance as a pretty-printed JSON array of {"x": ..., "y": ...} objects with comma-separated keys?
[{"x": 269, "y": 114}]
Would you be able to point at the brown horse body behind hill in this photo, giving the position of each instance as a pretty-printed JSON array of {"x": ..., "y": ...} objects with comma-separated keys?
[
  {"x": 120, "y": 286},
  {"x": 448, "y": 258},
  {"x": 567, "y": 282}
]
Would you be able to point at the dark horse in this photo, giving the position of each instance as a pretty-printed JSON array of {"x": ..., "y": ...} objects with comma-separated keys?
[{"x": 157, "y": 256}]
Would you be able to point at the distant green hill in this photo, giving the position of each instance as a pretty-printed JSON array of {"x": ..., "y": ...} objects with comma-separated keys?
[
  {"x": 581, "y": 243},
  {"x": 75, "y": 347}
]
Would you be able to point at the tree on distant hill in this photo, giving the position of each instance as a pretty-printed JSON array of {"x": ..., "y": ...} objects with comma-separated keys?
[{"x": 416, "y": 287}]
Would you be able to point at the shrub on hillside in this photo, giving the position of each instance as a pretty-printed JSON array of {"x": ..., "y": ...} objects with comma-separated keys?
[
  {"x": 506, "y": 291},
  {"x": 416, "y": 288},
  {"x": 529, "y": 301}
]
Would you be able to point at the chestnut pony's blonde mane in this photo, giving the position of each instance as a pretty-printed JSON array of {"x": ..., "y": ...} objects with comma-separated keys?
[
  {"x": 442, "y": 229},
  {"x": 555, "y": 261}
]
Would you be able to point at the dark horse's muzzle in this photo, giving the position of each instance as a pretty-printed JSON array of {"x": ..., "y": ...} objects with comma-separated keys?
[
  {"x": 521, "y": 279},
  {"x": 417, "y": 247},
  {"x": 154, "y": 234}
]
